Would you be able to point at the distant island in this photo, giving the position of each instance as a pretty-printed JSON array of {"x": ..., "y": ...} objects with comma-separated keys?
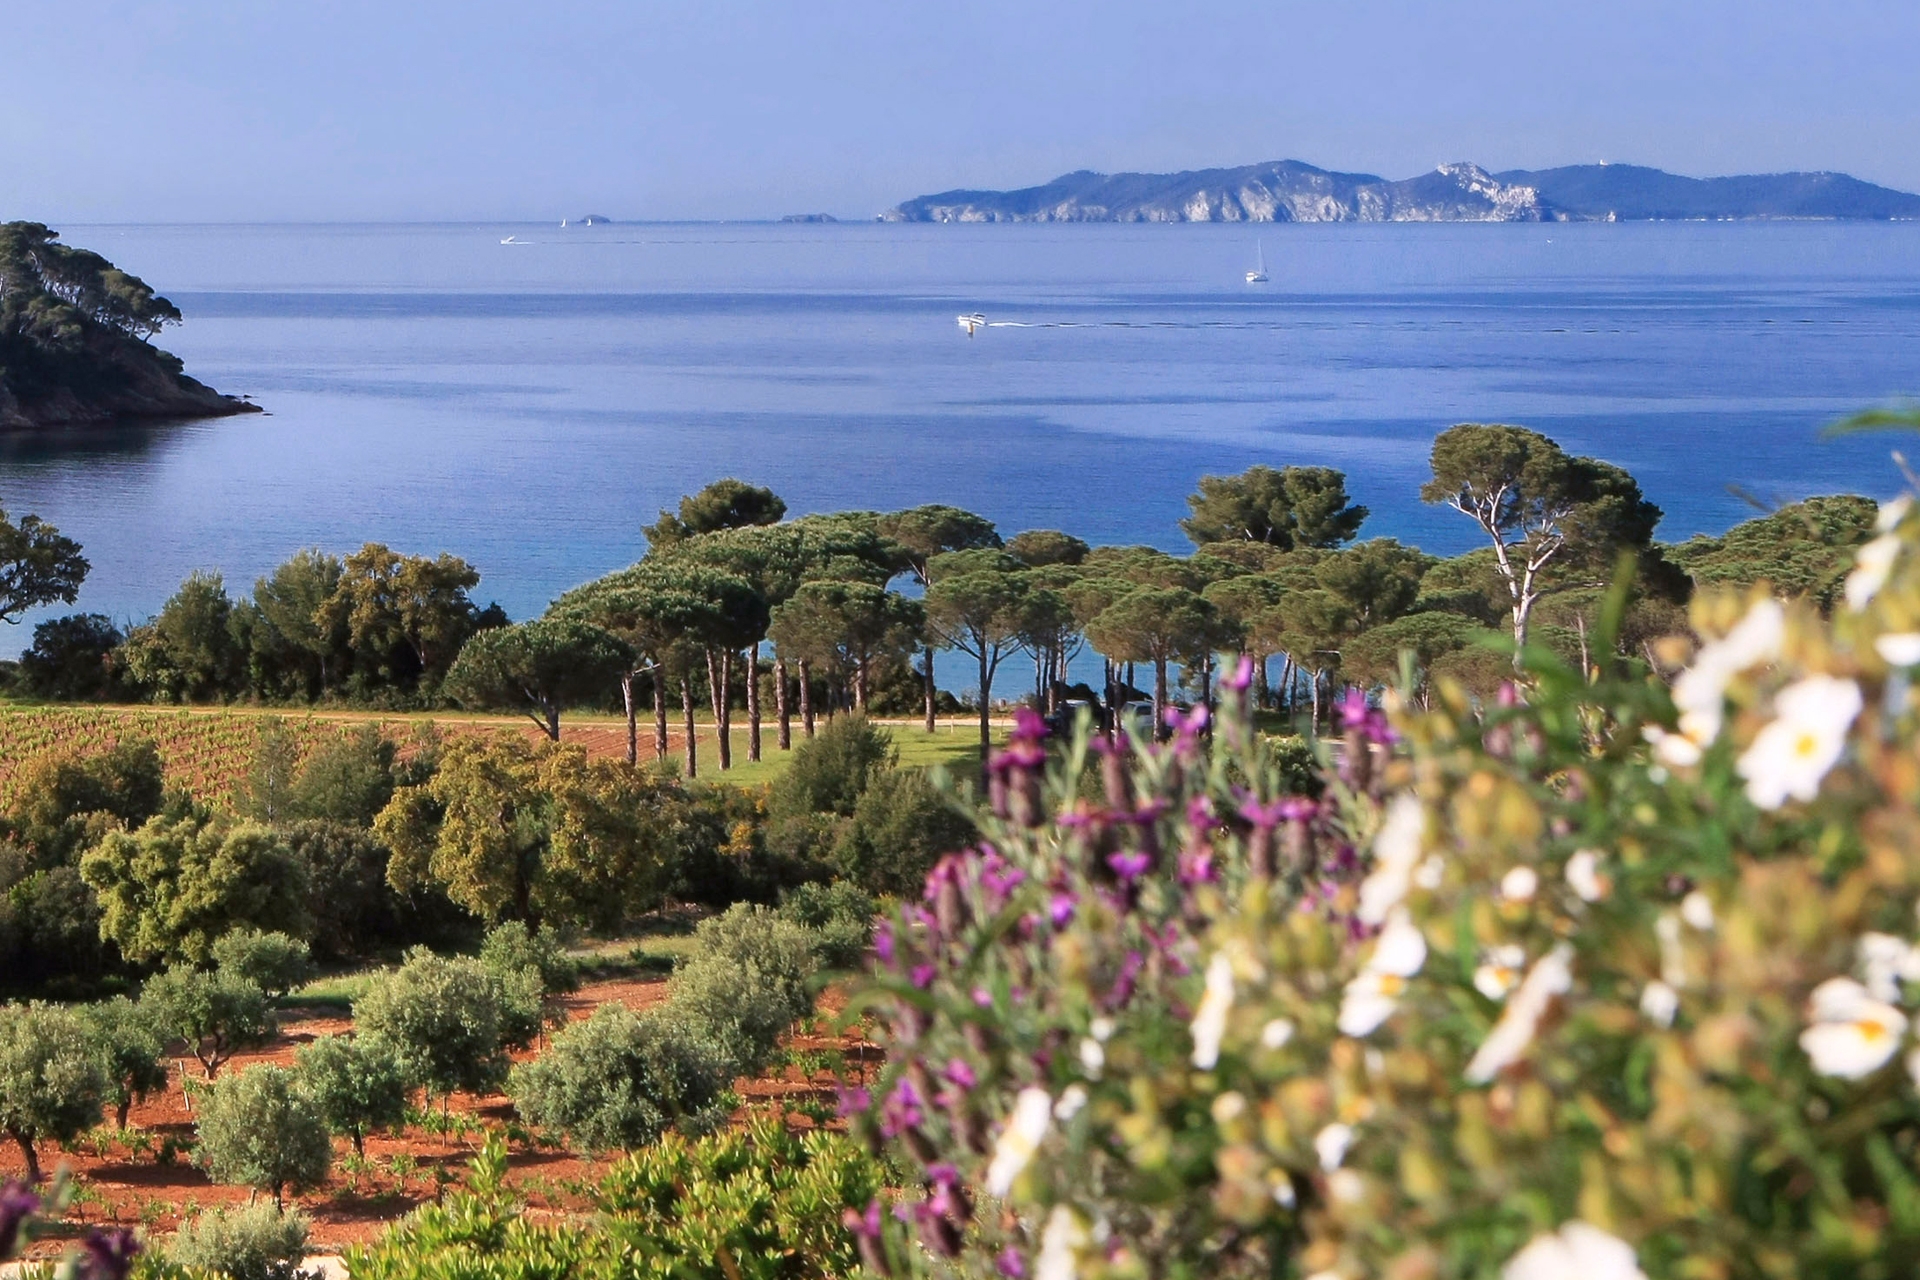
[
  {"x": 75, "y": 341},
  {"x": 1292, "y": 191},
  {"x": 809, "y": 217}
]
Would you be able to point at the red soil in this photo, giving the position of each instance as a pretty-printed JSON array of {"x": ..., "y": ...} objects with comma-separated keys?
[{"x": 120, "y": 1185}]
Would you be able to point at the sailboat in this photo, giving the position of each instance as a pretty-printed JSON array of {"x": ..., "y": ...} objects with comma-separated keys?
[{"x": 1259, "y": 274}]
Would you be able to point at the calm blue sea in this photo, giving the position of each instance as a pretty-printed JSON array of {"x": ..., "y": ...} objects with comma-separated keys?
[{"x": 529, "y": 406}]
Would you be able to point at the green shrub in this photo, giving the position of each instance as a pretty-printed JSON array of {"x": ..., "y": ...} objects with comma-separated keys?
[
  {"x": 215, "y": 1013},
  {"x": 761, "y": 1204},
  {"x": 750, "y": 978},
  {"x": 357, "y": 1084},
  {"x": 274, "y": 962},
  {"x": 828, "y": 773},
  {"x": 840, "y": 916},
  {"x": 258, "y": 1128},
  {"x": 132, "y": 1051},
  {"x": 901, "y": 826},
  {"x": 52, "y": 1082},
  {"x": 512, "y": 947},
  {"x": 254, "y": 1242},
  {"x": 448, "y": 1022},
  {"x": 620, "y": 1078}
]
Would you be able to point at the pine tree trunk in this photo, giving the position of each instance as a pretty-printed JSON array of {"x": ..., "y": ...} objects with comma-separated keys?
[
  {"x": 1159, "y": 695},
  {"x": 1262, "y": 695},
  {"x": 806, "y": 698},
  {"x": 659, "y": 713},
  {"x": 986, "y": 711},
  {"x": 723, "y": 720},
  {"x": 633, "y": 717},
  {"x": 753, "y": 704},
  {"x": 781, "y": 705},
  {"x": 686, "y": 706},
  {"x": 929, "y": 690}
]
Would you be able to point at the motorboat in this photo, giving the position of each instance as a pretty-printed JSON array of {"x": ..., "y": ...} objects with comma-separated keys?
[{"x": 972, "y": 322}]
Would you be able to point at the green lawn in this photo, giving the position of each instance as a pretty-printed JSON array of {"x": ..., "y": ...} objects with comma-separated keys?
[{"x": 955, "y": 744}]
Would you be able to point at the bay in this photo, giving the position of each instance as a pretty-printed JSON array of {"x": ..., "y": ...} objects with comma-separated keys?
[{"x": 530, "y": 405}]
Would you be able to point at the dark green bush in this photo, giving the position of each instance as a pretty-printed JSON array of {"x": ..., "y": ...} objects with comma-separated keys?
[
  {"x": 253, "y": 1242},
  {"x": 620, "y": 1078},
  {"x": 512, "y": 947},
  {"x": 901, "y": 826},
  {"x": 840, "y": 916},
  {"x": 275, "y": 962},
  {"x": 748, "y": 981},
  {"x": 828, "y": 773}
]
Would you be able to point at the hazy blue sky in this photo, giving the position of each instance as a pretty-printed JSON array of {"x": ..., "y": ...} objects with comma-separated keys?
[{"x": 330, "y": 109}]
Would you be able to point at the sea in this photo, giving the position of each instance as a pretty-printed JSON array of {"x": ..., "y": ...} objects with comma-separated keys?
[{"x": 531, "y": 405}]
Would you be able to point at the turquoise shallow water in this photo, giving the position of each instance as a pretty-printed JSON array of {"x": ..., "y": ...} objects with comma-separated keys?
[{"x": 529, "y": 406}]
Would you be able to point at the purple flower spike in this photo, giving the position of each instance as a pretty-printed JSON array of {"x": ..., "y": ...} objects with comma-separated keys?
[
  {"x": 983, "y": 997},
  {"x": 108, "y": 1254},
  {"x": 1011, "y": 1264},
  {"x": 957, "y": 1072},
  {"x": 1264, "y": 816},
  {"x": 854, "y": 1101},
  {"x": 1129, "y": 866},
  {"x": 1196, "y": 867},
  {"x": 1356, "y": 714},
  {"x": 1028, "y": 724},
  {"x": 902, "y": 1109},
  {"x": 1060, "y": 909},
  {"x": 922, "y": 976},
  {"x": 1242, "y": 678},
  {"x": 883, "y": 942},
  {"x": 17, "y": 1203},
  {"x": 863, "y": 1224}
]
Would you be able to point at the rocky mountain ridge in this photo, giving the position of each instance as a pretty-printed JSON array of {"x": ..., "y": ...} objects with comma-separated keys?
[{"x": 1293, "y": 191}]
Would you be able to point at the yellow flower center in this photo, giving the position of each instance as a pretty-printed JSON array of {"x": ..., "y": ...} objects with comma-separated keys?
[
  {"x": 1392, "y": 984},
  {"x": 1805, "y": 746},
  {"x": 1871, "y": 1031}
]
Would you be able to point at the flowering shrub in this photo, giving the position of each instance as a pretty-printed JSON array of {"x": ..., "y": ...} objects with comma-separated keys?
[{"x": 1609, "y": 979}]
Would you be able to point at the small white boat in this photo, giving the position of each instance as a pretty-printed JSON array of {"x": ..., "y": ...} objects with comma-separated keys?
[
  {"x": 509, "y": 240},
  {"x": 972, "y": 322},
  {"x": 563, "y": 222},
  {"x": 1259, "y": 274}
]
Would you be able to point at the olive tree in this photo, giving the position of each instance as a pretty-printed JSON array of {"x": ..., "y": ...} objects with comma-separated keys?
[
  {"x": 258, "y": 1128},
  {"x": 52, "y": 1081},
  {"x": 273, "y": 961},
  {"x": 620, "y": 1078},
  {"x": 132, "y": 1052},
  {"x": 216, "y": 1013},
  {"x": 445, "y": 1021},
  {"x": 357, "y": 1083}
]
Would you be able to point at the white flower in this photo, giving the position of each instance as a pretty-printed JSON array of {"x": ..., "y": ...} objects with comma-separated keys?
[
  {"x": 1101, "y": 1029},
  {"x": 1792, "y": 754},
  {"x": 1852, "y": 1034},
  {"x": 1430, "y": 872},
  {"x": 1276, "y": 1034},
  {"x": 1210, "y": 1019},
  {"x": 1072, "y": 1098},
  {"x": 1283, "y": 1192},
  {"x": 1697, "y": 910},
  {"x": 1551, "y": 975},
  {"x": 1583, "y": 875},
  {"x": 1374, "y": 993},
  {"x": 1331, "y": 1144},
  {"x": 1578, "y": 1251},
  {"x": 1520, "y": 884},
  {"x": 1396, "y": 850},
  {"x": 1228, "y": 1107},
  {"x": 1899, "y": 648},
  {"x": 1093, "y": 1058},
  {"x": 1660, "y": 1003},
  {"x": 1892, "y": 513},
  {"x": 1886, "y": 962},
  {"x": 1499, "y": 972},
  {"x": 1026, "y": 1129},
  {"x": 1060, "y": 1245},
  {"x": 1673, "y": 750},
  {"x": 1872, "y": 566},
  {"x": 1754, "y": 640},
  {"x": 1346, "y": 1186}
]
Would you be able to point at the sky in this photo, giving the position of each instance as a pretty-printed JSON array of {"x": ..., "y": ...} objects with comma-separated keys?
[{"x": 270, "y": 110}]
